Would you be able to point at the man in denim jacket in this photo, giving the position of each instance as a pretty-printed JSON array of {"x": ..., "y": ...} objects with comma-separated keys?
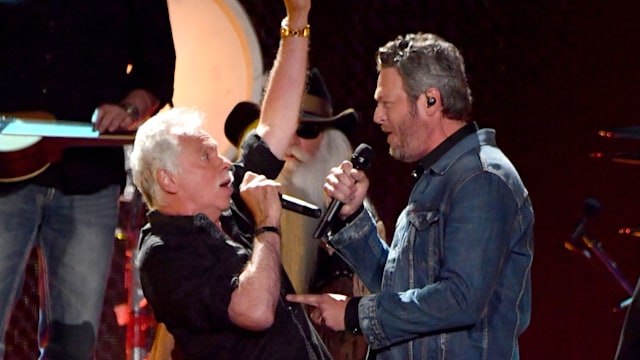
[{"x": 455, "y": 281}]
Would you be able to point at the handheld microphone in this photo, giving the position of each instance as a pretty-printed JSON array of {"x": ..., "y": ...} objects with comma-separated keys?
[
  {"x": 299, "y": 206},
  {"x": 591, "y": 207},
  {"x": 361, "y": 160}
]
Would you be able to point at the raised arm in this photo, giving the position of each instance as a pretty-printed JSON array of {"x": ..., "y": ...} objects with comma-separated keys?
[
  {"x": 253, "y": 302},
  {"x": 281, "y": 106}
]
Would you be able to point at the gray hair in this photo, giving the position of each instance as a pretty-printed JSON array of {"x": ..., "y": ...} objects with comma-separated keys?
[
  {"x": 426, "y": 60},
  {"x": 157, "y": 147}
]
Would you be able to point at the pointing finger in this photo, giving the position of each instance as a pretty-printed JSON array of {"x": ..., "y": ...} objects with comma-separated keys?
[{"x": 308, "y": 299}]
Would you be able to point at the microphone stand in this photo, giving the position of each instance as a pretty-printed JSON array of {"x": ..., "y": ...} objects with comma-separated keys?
[
  {"x": 595, "y": 247},
  {"x": 135, "y": 315},
  {"x": 139, "y": 321}
]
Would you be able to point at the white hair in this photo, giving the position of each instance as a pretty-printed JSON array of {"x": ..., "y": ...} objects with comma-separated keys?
[{"x": 157, "y": 145}]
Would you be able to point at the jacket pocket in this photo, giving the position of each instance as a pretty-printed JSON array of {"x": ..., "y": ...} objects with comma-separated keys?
[{"x": 425, "y": 243}]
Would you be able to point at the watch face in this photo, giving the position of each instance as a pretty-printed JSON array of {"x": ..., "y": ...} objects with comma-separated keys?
[
  {"x": 218, "y": 59},
  {"x": 131, "y": 110}
]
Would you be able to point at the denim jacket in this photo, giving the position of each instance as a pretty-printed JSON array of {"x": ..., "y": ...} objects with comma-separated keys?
[{"x": 455, "y": 283}]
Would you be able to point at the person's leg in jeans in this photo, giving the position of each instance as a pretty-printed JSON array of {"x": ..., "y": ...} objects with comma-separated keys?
[
  {"x": 20, "y": 214},
  {"x": 76, "y": 245}
]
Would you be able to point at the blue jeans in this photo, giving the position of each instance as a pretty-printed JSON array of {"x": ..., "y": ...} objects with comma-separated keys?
[{"x": 75, "y": 237}]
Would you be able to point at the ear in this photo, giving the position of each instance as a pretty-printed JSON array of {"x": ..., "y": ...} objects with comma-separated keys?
[
  {"x": 431, "y": 101},
  {"x": 167, "y": 181}
]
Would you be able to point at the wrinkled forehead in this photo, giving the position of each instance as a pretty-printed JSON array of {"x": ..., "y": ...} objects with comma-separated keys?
[
  {"x": 198, "y": 138},
  {"x": 389, "y": 83}
]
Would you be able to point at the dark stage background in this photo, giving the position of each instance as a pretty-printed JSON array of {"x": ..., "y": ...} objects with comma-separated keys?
[{"x": 547, "y": 75}]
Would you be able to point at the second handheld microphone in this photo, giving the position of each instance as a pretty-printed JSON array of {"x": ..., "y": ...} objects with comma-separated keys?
[{"x": 361, "y": 160}]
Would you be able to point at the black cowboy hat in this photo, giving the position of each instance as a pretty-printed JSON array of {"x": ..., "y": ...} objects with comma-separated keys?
[{"x": 316, "y": 109}]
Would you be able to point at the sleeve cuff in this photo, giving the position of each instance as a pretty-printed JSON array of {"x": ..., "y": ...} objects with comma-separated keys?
[
  {"x": 339, "y": 224},
  {"x": 351, "y": 320}
]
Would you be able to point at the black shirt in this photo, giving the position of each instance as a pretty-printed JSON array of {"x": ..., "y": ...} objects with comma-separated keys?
[
  {"x": 68, "y": 57},
  {"x": 189, "y": 269}
]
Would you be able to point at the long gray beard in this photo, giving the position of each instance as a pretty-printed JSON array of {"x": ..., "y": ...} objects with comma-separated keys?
[{"x": 299, "y": 250}]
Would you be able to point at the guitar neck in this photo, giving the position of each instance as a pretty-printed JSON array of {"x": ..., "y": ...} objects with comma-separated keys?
[
  {"x": 29, "y": 145},
  {"x": 11, "y": 125}
]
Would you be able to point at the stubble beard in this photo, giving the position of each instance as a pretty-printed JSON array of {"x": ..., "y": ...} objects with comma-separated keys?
[{"x": 406, "y": 137}]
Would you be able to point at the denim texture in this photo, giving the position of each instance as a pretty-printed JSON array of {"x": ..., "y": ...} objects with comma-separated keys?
[
  {"x": 75, "y": 238},
  {"x": 455, "y": 282}
]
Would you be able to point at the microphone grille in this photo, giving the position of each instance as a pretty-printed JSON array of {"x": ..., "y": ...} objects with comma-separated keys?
[
  {"x": 591, "y": 207},
  {"x": 361, "y": 158}
]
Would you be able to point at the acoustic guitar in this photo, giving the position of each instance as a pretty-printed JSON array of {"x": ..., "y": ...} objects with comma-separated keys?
[{"x": 31, "y": 141}]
